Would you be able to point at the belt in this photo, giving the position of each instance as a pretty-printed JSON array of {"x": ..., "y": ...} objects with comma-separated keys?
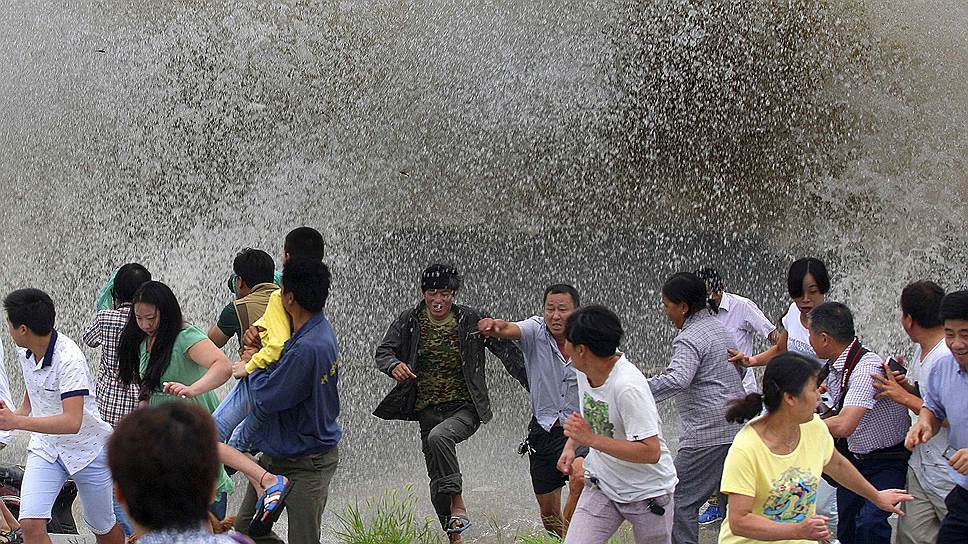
[{"x": 896, "y": 452}]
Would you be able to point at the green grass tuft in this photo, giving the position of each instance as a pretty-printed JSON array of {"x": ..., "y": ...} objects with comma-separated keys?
[{"x": 387, "y": 520}]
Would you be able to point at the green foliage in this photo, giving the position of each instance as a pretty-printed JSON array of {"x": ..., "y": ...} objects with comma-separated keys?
[{"x": 387, "y": 520}]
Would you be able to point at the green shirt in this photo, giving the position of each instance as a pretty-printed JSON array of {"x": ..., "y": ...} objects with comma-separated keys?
[
  {"x": 183, "y": 370},
  {"x": 440, "y": 375}
]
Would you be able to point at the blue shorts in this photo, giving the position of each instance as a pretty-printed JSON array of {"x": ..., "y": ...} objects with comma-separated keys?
[{"x": 43, "y": 481}]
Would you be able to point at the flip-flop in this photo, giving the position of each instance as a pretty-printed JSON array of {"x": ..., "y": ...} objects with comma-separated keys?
[
  {"x": 13, "y": 536},
  {"x": 269, "y": 507},
  {"x": 451, "y": 530}
]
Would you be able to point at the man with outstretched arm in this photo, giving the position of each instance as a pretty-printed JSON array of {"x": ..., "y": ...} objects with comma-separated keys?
[{"x": 554, "y": 397}]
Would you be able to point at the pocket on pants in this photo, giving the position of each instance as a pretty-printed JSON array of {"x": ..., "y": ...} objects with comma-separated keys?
[{"x": 593, "y": 502}]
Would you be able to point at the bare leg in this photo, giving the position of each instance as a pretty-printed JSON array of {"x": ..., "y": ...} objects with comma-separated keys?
[
  {"x": 114, "y": 536},
  {"x": 259, "y": 477},
  {"x": 576, "y": 482},
  {"x": 9, "y": 522},
  {"x": 457, "y": 508},
  {"x": 35, "y": 531},
  {"x": 550, "y": 506}
]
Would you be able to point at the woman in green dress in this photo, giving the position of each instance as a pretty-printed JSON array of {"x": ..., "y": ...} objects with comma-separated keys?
[{"x": 171, "y": 360}]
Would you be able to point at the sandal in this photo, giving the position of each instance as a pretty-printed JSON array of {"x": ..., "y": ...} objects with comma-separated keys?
[
  {"x": 465, "y": 524},
  {"x": 269, "y": 507}
]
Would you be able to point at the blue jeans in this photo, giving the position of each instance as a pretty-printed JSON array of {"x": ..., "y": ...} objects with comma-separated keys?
[
  {"x": 122, "y": 518},
  {"x": 220, "y": 507},
  {"x": 860, "y": 522},
  {"x": 237, "y": 418}
]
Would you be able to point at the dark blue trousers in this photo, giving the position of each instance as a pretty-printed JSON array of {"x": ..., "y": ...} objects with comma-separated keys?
[
  {"x": 860, "y": 522},
  {"x": 954, "y": 527}
]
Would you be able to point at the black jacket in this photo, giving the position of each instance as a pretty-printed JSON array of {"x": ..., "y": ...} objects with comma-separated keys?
[{"x": 400, "y": 344}]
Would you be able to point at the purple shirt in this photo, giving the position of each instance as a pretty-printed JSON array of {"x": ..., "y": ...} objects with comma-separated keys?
[
  {"x": 885, "y": 423},
  {"x": 947, "y": 398}
]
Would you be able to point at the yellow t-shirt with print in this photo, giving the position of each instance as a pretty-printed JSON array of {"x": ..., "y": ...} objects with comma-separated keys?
[{"x": 783, "y": 487}]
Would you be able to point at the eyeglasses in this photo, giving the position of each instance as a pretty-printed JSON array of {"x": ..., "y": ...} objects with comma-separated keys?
[{"x": 948, "y": 453}]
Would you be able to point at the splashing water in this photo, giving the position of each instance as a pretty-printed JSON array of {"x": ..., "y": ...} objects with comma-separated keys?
[{"x": 601, "y": 143}]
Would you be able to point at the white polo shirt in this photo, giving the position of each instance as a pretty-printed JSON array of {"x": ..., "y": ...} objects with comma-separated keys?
[{"x": 63, "y": 373}]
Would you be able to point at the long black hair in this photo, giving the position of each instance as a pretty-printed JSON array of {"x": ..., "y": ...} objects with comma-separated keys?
[
  {"x": 786, "y": 373},
  {"x": 686, "y": 288},
  {"x": 170, "y": 323}
]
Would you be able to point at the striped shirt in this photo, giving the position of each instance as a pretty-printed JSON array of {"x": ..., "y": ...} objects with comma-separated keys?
[
  {"x": 114, "y": 400},
  {"x": 885, "y": 422},
  {"x": 702, "y": 380}
]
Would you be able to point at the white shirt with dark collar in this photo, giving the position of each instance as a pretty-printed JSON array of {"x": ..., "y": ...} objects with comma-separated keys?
[{"x": 61, "y": 374}]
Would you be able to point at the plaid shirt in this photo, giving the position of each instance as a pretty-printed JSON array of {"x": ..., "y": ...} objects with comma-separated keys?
[
  {"x": 114, "y": 400},
  {"x": 703, "y": 380},
  {"x": 885, "y": 422}
]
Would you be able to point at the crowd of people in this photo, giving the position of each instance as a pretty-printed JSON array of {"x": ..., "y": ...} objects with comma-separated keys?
[{"x": 825, "y": 447}]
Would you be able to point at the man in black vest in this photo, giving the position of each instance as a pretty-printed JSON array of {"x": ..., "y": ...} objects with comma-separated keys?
[{"x": 436, "y": 355}]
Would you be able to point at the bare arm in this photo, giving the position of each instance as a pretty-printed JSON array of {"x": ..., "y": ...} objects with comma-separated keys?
[
  {"x": 847, "y": 475},
  {"x": 499, "y": 328},
  {"x": 207, "y": 355},
  {"x": 217, "y": 337},
  {"x": 744, "y": 523},
  {"x": 66, "y": 422},
  {"x": 845, "y": 423},
  {"x": 646, "y": 451},
  {"x": 760, "y": 359}
]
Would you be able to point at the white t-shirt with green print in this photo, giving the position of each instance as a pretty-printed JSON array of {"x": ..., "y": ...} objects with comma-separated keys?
[{"x": 623, "y": 408}]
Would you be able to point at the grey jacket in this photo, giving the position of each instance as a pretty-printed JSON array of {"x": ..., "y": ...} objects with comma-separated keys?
[
  {"x": 400, "y": 344},
  {"x": 703, "y": 381}
]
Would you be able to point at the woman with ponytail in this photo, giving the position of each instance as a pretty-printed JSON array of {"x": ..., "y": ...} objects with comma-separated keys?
[
  {"x": 702, "y": 381},
  {"x": 774, "y": 467}
]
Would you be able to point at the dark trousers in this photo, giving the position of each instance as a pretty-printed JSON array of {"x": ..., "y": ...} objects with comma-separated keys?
[
  {"x": 700, "y": 470},
  {"x": 442, "y": 427},
  {"x": 860, "y": 522},
  {"x": 954, "y": 527},
  {"x": 310, "y": 476}
]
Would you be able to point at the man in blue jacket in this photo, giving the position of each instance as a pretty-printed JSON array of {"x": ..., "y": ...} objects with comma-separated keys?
[{"x": 300, "y": 398}]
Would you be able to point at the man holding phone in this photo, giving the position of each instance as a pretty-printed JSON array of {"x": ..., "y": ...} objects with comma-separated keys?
[
  {"x": 874, "y": 429},
  {"x": 945, "y": 399},
  {"x": 928, "y": 480}
]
